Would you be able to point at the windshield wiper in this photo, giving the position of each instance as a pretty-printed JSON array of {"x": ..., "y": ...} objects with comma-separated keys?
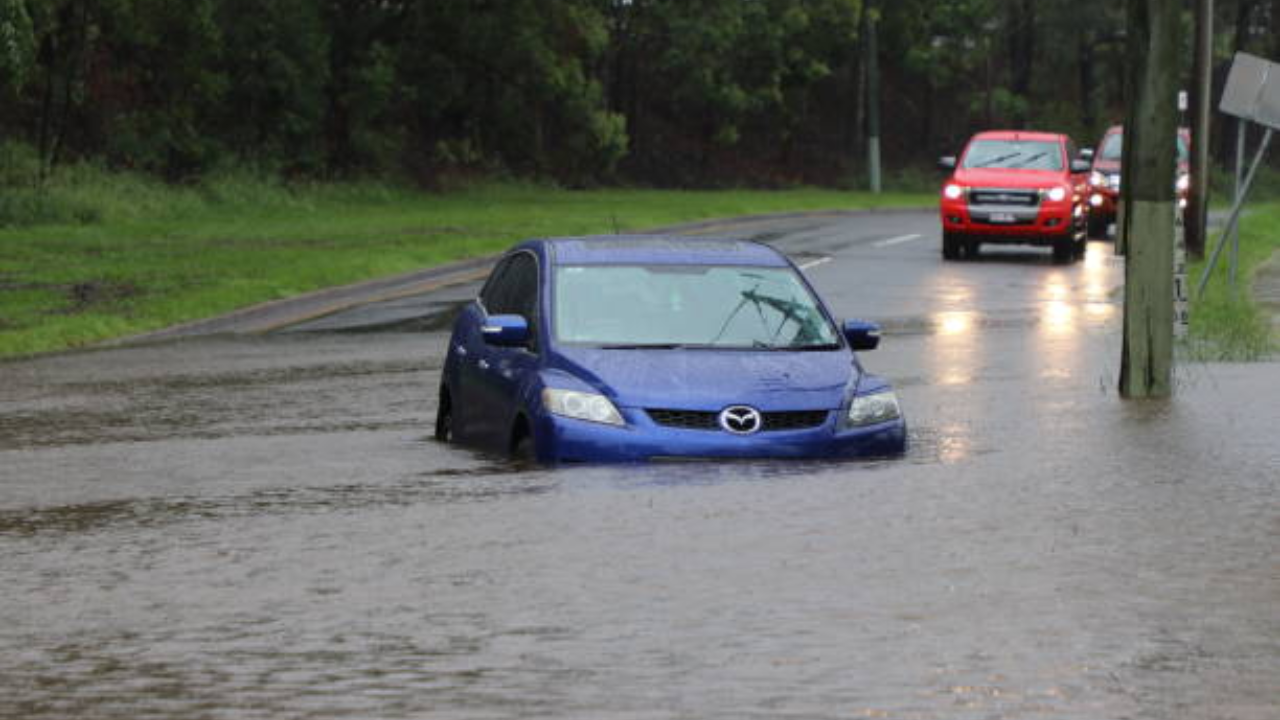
[
  {"x": 794, "y": 348},
  {"x": 1000, "y": 159},
  {"x": 643, "y": 346},
  {"x": 1029, "y": 159}
]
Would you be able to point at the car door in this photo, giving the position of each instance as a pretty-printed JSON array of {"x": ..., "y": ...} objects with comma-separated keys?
[
  {"x": 501, "y": 372},
  {"x": 471, "y": 354}
]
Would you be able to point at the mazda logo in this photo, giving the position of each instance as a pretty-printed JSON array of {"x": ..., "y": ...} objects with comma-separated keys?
[{"x": 741, "y": 420}]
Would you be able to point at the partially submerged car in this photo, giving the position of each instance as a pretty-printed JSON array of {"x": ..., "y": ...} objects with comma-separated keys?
[
  {"x": 1014, "y": 187},
  {"x": 1104, "y": 180},
  {"x": 633, "y": 348}
]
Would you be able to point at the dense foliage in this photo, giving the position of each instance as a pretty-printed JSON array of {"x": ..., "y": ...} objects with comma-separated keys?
[{"x": 663, "y": 92}]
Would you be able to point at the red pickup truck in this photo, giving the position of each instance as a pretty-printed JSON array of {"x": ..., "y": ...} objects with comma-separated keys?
[{"x": 1015, "y": 187}]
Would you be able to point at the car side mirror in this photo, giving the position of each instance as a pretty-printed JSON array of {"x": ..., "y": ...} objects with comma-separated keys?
[
  {"x": 1086, "y": 153},
  {"x": 1080, "y": 166},
  {"x": 862, "y": 335},
  {"x": 506, "y": 330},
  {"x": 947, "y": 162}
]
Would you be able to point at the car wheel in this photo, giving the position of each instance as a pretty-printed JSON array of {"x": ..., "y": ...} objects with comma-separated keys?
[
  {"x": 971, "y": 248},
  {"x": 1064, "y": 250},
  {"x": 523, "y": 449},
  {"x": 1097, "y": 227},
  {"x": 444, "y": 417},
  {"x": 950, "y": 246},
  {"x": 1081, "y": 247}
]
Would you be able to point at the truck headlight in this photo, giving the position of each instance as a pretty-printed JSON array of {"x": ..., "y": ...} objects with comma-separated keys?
[
  {"x": 952, "y": 191},
  {"x": 1097, "y": 179},
  {"x": 581, "y": 406},
  {"x": 1057, "y": 194},
  {"x": 873, "y": 409},
  {"x": 1184, "y": 182}
]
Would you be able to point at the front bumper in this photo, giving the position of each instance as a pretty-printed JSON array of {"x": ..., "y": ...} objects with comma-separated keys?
[
  {"x": 565, "y": 440},
  {"x": 1102, "y": 204},
  {"x": 1045, "y": 224}
]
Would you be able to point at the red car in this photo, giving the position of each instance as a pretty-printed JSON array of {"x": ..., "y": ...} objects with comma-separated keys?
[
  {"x": 1104, "y": 181},
  {"x": 1015, "y": 187}
]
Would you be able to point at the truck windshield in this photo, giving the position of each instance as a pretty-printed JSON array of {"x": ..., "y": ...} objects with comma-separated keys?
[
  {"x": 664, "y": 306},
  {"x": 1013, "y": 155}
]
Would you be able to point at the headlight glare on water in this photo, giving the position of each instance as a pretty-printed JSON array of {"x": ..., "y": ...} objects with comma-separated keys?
[{"x": 581, "y": 406}]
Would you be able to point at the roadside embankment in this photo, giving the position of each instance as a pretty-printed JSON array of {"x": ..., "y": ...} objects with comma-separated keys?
[
  {"x": 218, "y": 249},
  {"x": 1231, "y": 322}
]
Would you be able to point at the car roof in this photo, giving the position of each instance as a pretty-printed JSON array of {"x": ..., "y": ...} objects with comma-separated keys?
[
  {"x": 1018, "y": 135},
  {"x": 660, "y": 250}
]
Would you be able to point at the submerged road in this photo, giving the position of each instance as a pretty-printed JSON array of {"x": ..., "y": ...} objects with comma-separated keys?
[{"x": 260, "y": 527}]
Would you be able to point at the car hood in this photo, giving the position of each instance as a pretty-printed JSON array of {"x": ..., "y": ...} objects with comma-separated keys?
[
  {"x": 1005, "y": 178},
  {"x": 700, "y": 379}
]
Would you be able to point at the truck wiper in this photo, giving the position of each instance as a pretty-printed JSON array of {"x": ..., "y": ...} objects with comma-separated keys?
[
  {"x": 1030, "y": 159},
  {"x": 999, "y": 159}
]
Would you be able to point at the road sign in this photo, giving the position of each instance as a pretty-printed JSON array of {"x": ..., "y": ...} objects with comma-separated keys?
[{"x": 1253, "y": 91}]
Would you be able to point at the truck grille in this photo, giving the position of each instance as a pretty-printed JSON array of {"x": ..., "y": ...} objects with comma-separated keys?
[
  {"x": 773, "y": 421},
  {"x": 1019, "y": 198}
]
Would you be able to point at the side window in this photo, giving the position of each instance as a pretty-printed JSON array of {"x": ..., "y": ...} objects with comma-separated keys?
[
  {"x": 523, "y": 281},
  {"x": 512, "y": 289},
  {"x": 491, "y": 296}
]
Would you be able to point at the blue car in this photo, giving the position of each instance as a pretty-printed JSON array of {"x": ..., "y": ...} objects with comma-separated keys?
[{"x": 636, "y": 348}]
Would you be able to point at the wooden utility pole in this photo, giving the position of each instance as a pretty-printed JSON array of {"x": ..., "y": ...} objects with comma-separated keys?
[
  {"x": 1151, "y": 126},
  {"x": 1198, "y": 197}
]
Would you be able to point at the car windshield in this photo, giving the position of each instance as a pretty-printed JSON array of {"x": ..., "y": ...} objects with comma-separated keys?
[
  {"x": 635, "y": 306},
  {"x": 1113, "y": 148},
  {"x": 1014, "y": 154}
]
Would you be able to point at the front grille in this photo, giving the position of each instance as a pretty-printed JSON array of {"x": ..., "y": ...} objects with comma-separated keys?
[
  {"x": 687, "y": 419},
  {"x": 1019, "y": 198},
  {"x": 703, "y": 420},
  {"x": 794, "y": 420}
]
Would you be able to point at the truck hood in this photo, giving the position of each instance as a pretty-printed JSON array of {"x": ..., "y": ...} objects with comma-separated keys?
[{"x": 1005, "y": 178}]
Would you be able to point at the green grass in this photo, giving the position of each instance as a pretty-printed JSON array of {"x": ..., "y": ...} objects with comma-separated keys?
[
  {"x": 136, "y": 255},
  {"x": 1227, "y": 324}
]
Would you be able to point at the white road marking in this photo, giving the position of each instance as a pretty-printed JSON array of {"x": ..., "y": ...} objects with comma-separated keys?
[
  {"x": 896, "y": 240},
  {"x": 815, "y": 263}
]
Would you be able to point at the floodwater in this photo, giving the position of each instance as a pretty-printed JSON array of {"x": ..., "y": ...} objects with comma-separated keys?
[{"x": 261, "y": 528}]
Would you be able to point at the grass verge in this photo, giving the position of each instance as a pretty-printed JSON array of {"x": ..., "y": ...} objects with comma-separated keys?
[
  {"x": 1229, "y": 324},
  {"x": 145, "y": 255}
]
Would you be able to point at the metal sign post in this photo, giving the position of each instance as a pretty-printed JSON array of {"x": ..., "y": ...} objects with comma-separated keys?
[{"x": 1181, "y": 292}]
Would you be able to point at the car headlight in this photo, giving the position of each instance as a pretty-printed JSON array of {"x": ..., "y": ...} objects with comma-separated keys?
[
  {"x": 873, "y": 409},
  {"x": 1056, "y": 194},
  {"x": 581, "y": 406},
  {"x": 1097, "y": 179},
  {"x": 952, "y": 191},
  {"x": 1184, "y": 182}
]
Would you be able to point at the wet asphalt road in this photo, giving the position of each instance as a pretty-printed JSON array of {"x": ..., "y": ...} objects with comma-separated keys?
[{"x": 259, "y": 527}]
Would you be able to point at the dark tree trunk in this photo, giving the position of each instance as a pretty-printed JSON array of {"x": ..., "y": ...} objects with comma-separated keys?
[{"x": 1022, "y": 47}]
